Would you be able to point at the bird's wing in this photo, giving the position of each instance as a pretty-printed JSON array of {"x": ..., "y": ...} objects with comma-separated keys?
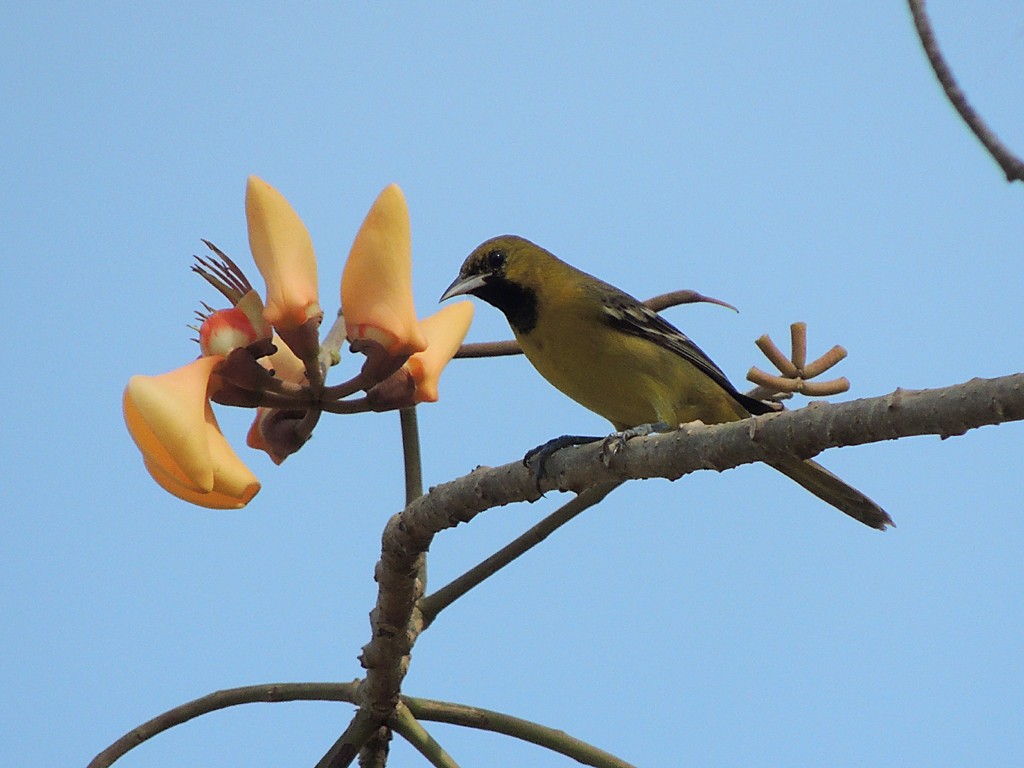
[{"x": 626, "y": 314}]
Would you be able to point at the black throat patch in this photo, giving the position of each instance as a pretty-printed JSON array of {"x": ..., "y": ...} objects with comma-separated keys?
[{"x": 517, "y": 303}]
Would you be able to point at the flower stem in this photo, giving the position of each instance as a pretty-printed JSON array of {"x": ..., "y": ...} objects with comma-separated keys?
[{"x": 411, "y": 454}]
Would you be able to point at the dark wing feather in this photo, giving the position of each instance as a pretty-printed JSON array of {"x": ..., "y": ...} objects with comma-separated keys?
[{"x": 626, "y": 314}]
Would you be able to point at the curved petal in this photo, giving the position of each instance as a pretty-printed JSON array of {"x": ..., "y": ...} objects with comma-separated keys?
[
  {"x": 376, "y": 286},
  {"x": 170, "y": 418},
  {"x": 212, "y": 500},
  {"x": 232, "y": 479},
  {"x": 283, "y": 251},
  {"x": 444, "y": 331},
  {"x": 166, "y": 417}
]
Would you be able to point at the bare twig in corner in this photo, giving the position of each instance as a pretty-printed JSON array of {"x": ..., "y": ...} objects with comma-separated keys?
[{"x": 1012, "y": 165}]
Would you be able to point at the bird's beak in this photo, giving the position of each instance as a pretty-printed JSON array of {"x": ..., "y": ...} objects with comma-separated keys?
[{"x": 463, "y": 285}]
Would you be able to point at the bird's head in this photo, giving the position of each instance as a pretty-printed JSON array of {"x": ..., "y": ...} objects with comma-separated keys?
[
  {"x": 502, "y": 272},
  {"x": 490, "y": 264}
]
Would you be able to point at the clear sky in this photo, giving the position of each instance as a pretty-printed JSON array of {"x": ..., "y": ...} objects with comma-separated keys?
[{"x": 796, "y": 159}]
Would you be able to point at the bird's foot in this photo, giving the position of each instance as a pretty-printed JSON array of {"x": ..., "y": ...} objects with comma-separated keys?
[
  {"x": 616, "y": 442},
  {"x": 612, "y": 445},
  {"x": 537, "y": 458}
]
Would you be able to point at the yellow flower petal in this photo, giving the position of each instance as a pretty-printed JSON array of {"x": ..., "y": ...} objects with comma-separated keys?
[
  {"x": 212, "y": 500},
  {"x": 283, "y": 251},
  {"x": 232, "y": 479},
  {"x": 170, "y": 418},
  {"x": 376, "y": 286},
  {"x": 166, "y": 417},
  {"x": 444, "y": 331}
]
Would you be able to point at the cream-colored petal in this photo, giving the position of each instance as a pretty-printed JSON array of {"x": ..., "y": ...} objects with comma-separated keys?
[
  {"x": 283, "y": 251},
  {"x": 376, "y": 286},
  {"x": 170, "y": 418},
  {"x": 285, "y": 363},
  {"x": 444, "y": 331},
  {"x": 232, "y": 478},
  {"x": 165, "y": 416},
  {"x": 252, "y": 305},
  {"x": 211, "y": 500}
]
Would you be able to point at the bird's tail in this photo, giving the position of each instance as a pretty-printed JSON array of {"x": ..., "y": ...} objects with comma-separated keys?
[{"x": 827, "y": 487}]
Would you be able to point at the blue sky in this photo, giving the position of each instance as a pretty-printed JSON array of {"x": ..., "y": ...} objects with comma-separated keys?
[{"x": 798, "y": 161}]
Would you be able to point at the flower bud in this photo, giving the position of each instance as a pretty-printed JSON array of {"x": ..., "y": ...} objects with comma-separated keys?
[
  {"x": 376, "y": 286},
  {"x": 283, "y": 251}
]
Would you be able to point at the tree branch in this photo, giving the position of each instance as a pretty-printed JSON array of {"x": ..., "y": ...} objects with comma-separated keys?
[
  {"x": 498, "y": 722},
  {"x": 250, "y": 694},
  {"x": 434, "y": 603},
  {"x": 406, "y": 724},
  {"x": 1012, "y": 165},
  {"x": 406, "y": 712},
  {"x": 805, "y": 432}
]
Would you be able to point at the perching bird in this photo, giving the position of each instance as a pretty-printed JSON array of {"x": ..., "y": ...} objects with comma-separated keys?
[{"x": 613, "y": 355}]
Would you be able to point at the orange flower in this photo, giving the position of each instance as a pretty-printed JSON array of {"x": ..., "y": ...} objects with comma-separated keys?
[
  {"x": 416, "y": 381},
  {"x": 444, "y": 331},
  {"x": 376, "y": 286},
  {"x": 170, "y": 416},
  {"x": 170, "y": 419},
  {"x": 283, "y": 252}
]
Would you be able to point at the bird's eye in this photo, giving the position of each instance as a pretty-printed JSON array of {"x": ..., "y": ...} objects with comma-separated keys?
[{"x": 495, "y": 259}]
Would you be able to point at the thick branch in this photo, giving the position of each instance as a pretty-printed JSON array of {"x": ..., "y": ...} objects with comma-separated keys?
[
  {"x": 1012, "y": 165},
  {"x": 806, "y": 432}
]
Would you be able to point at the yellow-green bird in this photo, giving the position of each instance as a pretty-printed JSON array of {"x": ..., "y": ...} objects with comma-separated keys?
[{"x": 615, "y": 356}]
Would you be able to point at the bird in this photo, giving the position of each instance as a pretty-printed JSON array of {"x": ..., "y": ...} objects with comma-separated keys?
[{"x": 617, "y": 357}]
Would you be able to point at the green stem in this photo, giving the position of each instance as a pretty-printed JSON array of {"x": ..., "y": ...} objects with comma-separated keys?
[
  {"x": 434, "y": 603},
  {"x": 411, "y": 454},
  {"x": 362, "y": 728},
  {"x": 407, "y": 726},
  {"x": 250, "y": 694},
  {"x": 498, "y": 722}
]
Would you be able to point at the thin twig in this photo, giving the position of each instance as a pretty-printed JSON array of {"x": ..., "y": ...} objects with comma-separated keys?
[
  {"x": 434, "y": 603},
  {"x": 250, "y": 694},
  {"x": 362, "y": 728},
  {"x": 406, "y": 724},
  {"x": 1012, "y": 165},
  {"x": 411, "y": 454},
  {"x": 498, "y": 722}
]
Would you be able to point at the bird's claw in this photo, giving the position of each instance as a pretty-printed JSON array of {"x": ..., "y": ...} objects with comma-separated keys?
[
  {"x": 612, "y": 446},
  {"x": 536, "y": 459},
  {"x": 615, "y": 443}
]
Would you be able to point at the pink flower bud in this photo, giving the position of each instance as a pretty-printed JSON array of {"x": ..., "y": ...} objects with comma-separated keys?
[{"x": 225, "y": 330}]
